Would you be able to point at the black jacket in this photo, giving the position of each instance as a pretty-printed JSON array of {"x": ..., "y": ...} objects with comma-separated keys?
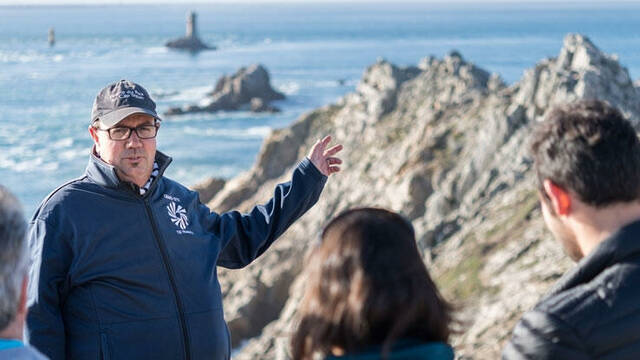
[
  {"x": 117, "y": 275},
  {"x": 592, "y": 312}
]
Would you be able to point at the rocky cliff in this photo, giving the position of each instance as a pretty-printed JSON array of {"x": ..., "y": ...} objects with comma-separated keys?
[{"x": 445, "y": 143}]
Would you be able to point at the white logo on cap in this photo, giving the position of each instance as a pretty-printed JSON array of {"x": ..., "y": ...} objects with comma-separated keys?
[{"x": 127, "y": 94}]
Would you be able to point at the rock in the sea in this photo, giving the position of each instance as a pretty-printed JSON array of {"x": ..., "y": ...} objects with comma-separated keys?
[
  {"x": 190, "y": 42},
  {"x": 446, "y": 144},
  {"x": 237, "y": 92}
]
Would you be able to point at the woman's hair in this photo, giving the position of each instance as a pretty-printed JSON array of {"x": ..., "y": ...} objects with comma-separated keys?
[{"x": 367, "y": 285}]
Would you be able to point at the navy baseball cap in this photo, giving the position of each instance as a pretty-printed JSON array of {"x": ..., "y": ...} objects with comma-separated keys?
[{"x": 119, "y": 100}]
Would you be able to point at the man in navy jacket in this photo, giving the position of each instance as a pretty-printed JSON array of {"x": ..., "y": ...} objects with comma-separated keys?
[{"x": 124, "y": 259}]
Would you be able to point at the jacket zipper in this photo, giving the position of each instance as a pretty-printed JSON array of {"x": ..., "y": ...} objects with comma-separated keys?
[{"x": 167, "y": 266}]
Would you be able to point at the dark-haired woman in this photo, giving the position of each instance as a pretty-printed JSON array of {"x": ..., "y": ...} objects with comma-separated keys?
[{"x": 369, "y": 295}]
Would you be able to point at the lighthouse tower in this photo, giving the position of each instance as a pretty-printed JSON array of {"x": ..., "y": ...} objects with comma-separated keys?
[{"x": 191, "y": 25}]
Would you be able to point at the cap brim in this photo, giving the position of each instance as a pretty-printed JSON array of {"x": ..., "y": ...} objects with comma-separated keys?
[{"x": 116, "y": 116}]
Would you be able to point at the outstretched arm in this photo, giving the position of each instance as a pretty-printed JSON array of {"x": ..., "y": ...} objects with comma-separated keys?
[{"x": 246, "y": 236}]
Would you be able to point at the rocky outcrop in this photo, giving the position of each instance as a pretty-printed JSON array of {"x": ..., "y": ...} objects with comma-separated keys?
[
  {"x": 581, "y": 71},
  {"x": 248, "y": 88},
  {"x": 208, "y": 188},
  {"x": 446, "y": 144},
  {"x": 190, "y": 42}
]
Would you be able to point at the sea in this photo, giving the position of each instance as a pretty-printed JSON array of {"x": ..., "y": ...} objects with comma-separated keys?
[{"x": 315, "y": 53}]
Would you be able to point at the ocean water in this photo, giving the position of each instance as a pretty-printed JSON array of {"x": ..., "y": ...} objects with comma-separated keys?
[{"x": 46, "y": 92}]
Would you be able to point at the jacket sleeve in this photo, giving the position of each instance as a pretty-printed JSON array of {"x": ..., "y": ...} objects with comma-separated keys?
[
  {"x": 50, "y": 257},
  {"x": 540, "y": 335},
  {"x": 246, "y": 236}
]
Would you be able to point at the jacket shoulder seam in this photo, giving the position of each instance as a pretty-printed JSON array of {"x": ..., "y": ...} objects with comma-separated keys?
[{"x": 48, "y": 197}]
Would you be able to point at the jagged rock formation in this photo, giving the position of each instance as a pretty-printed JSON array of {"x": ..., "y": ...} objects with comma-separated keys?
[
  {"x": 247, "y": 87},
  {"x": 190, "y": 42},
  {"x": 207, "y": 189},
  {"x": 446, "y": 144}
]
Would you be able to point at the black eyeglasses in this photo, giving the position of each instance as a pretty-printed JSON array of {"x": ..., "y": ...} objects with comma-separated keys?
[{"x": 146, "y": 131}]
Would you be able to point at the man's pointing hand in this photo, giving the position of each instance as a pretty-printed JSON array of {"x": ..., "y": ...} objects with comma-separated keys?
[{"x": 323, "y": 158}]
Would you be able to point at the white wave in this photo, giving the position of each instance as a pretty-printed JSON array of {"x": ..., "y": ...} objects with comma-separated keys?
[
  {"x": 293, "y": 87},
  {"x": 262, "y": 131},
  {"x": 62, "y": 143},
  {"x": 31, "y": 56},
  {"x": 205, "y": 102},
  {"x": 218, "y": 118},
  {"x": 28, "y": 165},
  {"x": 72, "y": 154},
  {"x": 256, "y": 132},
  {"x": 29, "y": 155},
  {"x": 20, "y": 57},
  {"x": 289, "y": 88},
  {"x": 161, "y": 93},
  {"x": 86, "y": 54},
  {"x": 191, "y": 95},
  {"x": 225, "y": 43},
  {"x": 6, "y": 163},
  {"x": 367, "y": 44},
  {"x": 325, "y": 83},
  {"x": 156, "y": 50}
]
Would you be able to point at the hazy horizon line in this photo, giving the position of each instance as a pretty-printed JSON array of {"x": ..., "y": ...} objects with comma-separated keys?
[{"x": 20, "y": 3}]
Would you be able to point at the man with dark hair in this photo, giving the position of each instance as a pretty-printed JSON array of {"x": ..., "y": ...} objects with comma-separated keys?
[
  {"x": 14, "y": 261},
  {"x": 587, "y": 160},
  {"x": 125, "y": 259}
]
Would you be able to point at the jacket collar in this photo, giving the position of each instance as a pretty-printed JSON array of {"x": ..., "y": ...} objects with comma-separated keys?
[
  {"x": 622, "y": 245},
  {"x": 105, "y": 175}
]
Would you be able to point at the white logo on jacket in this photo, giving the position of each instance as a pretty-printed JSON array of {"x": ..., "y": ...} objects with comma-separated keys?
[{"x": 178, "y": 215}]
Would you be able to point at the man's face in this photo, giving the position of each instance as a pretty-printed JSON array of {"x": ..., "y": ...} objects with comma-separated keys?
[
  {"x": 560, "y": 231},
  {"x": 133, "y": 158}
]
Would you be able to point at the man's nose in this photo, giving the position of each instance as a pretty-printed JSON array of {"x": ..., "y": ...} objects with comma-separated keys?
[{"x": 134, "y": 141}]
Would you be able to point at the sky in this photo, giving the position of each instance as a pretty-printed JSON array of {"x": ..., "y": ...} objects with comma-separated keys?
[{"x": 116, "y": 2}]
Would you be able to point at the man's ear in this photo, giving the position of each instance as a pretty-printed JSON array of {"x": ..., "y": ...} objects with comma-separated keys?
[
  {"x": 94, "y": 135},
  {"x": 560, "y": 198},
  {"x": 22, "y": 303}
]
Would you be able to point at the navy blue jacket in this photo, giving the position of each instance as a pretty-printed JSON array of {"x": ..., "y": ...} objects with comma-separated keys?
[
  {"x": 117, "y": 275},
  {"x": 593, "y": 312}
]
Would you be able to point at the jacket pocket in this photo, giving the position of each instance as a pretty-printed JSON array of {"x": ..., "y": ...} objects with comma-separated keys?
[{"x": 104, "y": 347}]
